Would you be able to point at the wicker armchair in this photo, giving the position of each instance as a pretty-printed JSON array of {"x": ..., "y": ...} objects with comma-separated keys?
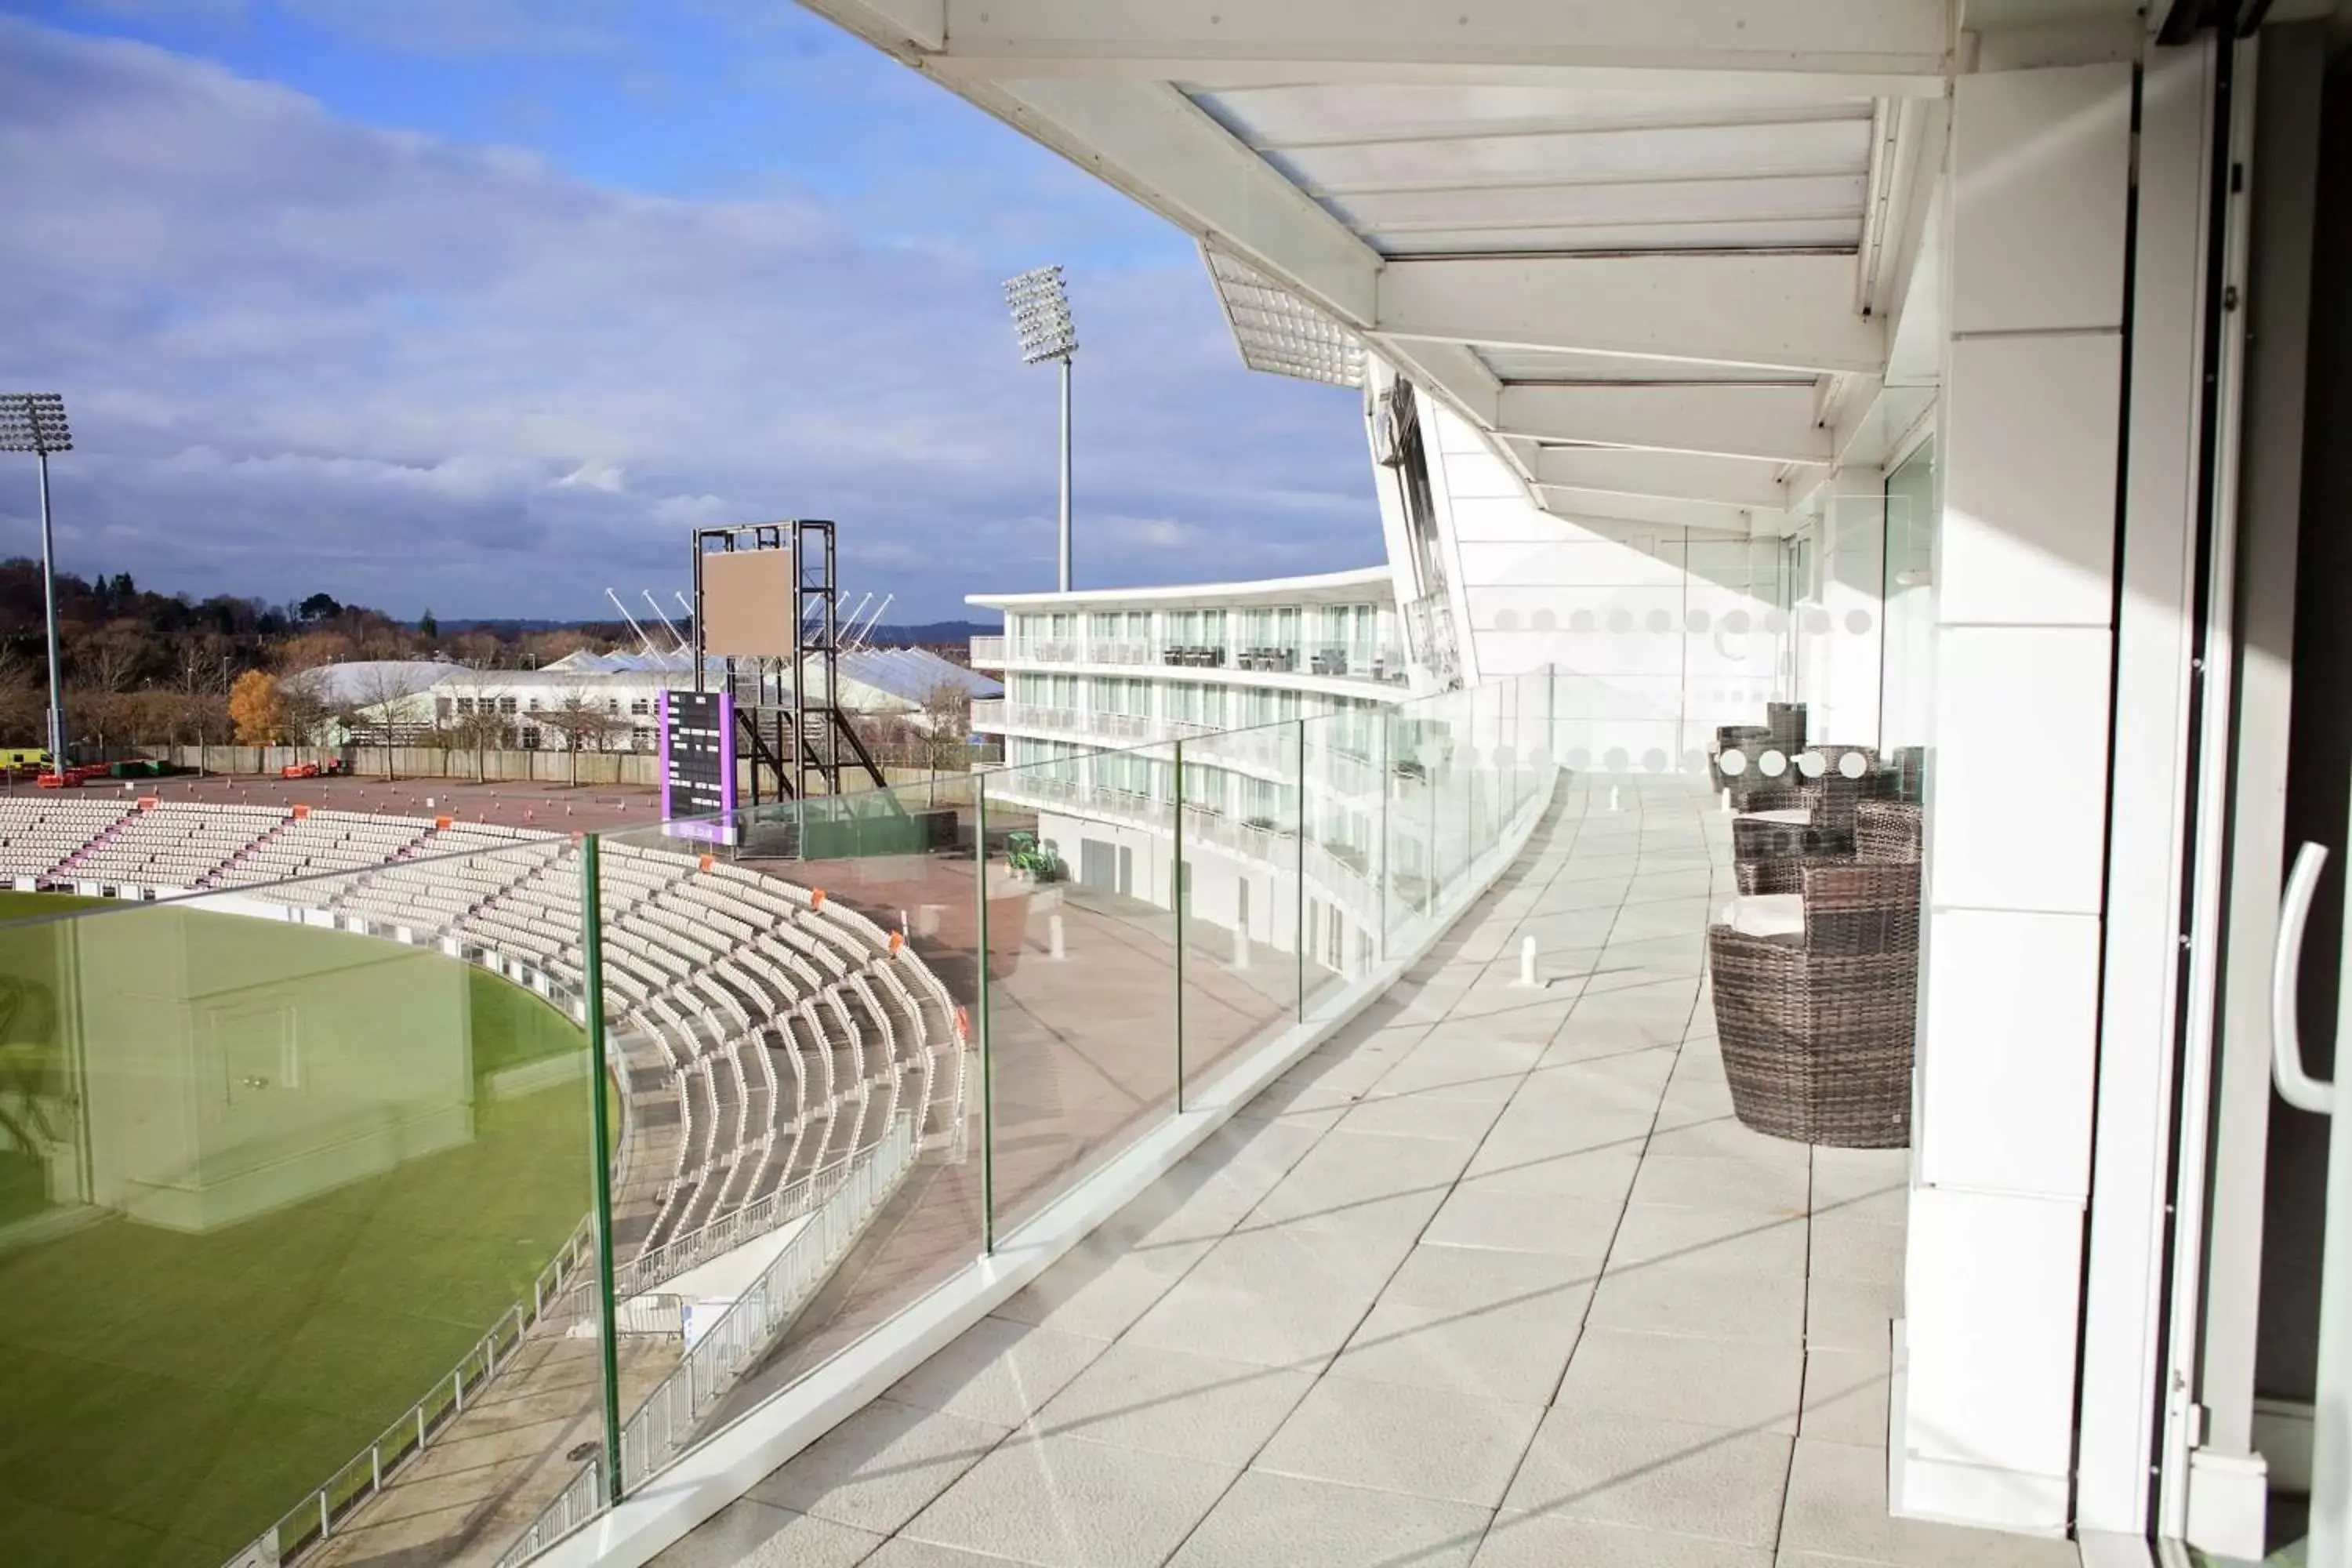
[
  {"x": 1746, "y": 739},
  {"x": 1816, "y": 1025},
  {"x": 1767, "y": 857}
]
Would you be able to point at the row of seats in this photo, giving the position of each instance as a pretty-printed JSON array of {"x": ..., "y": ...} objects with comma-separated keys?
[{"x": 766, "y": 1035}]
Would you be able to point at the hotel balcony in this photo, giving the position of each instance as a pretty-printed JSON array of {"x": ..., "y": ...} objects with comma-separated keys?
[{"x": 1382, "y": 664}]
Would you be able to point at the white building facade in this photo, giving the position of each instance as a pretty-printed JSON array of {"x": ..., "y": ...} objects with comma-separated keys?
[
  {"x": 1104, "y": 687},
  {"x": 1944, "y": 367}
]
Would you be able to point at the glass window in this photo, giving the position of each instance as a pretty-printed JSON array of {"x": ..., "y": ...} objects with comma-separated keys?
[{"x": 1906, "y": 677}]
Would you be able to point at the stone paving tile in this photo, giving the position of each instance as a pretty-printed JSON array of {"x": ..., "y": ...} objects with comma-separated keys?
[
  {"x": 998, "y": 1370},
  {"x": 1268, "y": 1520},
  {"x": 1104, "y": 1285},
  {"x": 1837, "y": 1507},
  {"x": 1689, "y": 1181},
  {"x": 1284, "y": 1297},
  {"x": 1064, "y": 1503},
  {"x": 1167, "y": 1402},
  {"x": 906, "y": 1552},
  {"x": 1748, "y": 1384},
  {"x": 1717, "y": 1482},
  {"x": 1738, "y": 1240},
  {"x": 1426, "y": 1442},
  {"x": 1685, "y": 1299},
  {"x": 752, "y": 1534},
  {"x": 880, "y": 1467},
  {"x": 1551, "y": 1540},
  {"x": 1845, "y": 1396},
  {"x": 1525, "y": 1221}
]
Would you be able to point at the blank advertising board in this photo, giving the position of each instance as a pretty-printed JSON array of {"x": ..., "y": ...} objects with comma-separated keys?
[
  {"x": 748, "y": 608},
  {"x": 697, "y": 765}
]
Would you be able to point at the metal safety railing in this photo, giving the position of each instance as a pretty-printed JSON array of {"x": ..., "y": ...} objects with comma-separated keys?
[
  {"x": 314, "y": 1518},
  {"x": 717, "y": 1360},
  {"x": 724, "y": 1234}
]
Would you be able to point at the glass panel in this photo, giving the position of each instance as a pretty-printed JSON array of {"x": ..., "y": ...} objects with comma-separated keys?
[
  {"x": 1082, "y": 973},
  {"x": 1240, "y": 837},
  {"x": 794, "y": 989},
  {"x": 1341, "y": 918},
  {"x": 1906, "y": 682},
  {"x": 295, "y": 1177}
]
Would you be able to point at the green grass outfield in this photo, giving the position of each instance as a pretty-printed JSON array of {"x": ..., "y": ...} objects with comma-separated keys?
[{"x": 165, "y": 1395}]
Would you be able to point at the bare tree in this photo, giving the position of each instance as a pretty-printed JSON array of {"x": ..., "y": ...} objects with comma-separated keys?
[
  {"x": 110, "y": 659},
  {"x": 582, "y": 718},
  {"x": 476, "y": 725},
  {"x": 304, "y": 707},
  {"x": 386, "y": 702}
]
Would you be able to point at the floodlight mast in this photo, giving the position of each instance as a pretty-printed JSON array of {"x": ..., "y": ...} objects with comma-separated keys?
[
  {"x": 1040, "y": 301},
  {"x": 35, "y": 421}
]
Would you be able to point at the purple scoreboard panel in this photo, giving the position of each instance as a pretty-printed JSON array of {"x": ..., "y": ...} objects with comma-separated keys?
[{"x": 697, "y": 765}]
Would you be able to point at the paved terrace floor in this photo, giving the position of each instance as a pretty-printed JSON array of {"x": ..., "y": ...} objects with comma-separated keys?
[{"x": 1494, "y": 1277}]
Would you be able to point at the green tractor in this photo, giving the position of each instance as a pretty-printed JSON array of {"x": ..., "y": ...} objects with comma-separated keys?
[{"x": 1033, "y": 858}]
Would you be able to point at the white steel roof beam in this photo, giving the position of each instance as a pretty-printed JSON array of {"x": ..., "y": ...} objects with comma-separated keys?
[
  {"x": 1565, "y": 502},
  {"x": 1777, "y": 312},
  {"x": 1153, "y": 143},
  {"x": 1838, "y": 48},
  {"x": 1725, "y": 419},
  {"x": 1674, "y": 475}
]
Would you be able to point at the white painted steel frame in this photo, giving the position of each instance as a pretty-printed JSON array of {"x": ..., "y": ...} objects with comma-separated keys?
[{"x": 1848, "y": 48}]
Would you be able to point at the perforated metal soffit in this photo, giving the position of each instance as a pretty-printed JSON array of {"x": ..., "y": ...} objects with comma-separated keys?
[{"x": 1280, "y": 333}]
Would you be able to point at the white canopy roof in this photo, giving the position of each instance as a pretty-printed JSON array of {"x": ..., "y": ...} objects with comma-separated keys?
[{"x": 1659, "y": 253}]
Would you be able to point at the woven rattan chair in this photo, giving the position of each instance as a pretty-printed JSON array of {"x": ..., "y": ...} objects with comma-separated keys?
[
  {"x": 1746, "y": 739},
  {"x": 1816, "y": 1027},
  {"x": 1767, "y": 857}
]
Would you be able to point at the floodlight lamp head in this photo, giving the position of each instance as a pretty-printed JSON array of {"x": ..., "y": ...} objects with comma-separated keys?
[
  {"x": 1041, "y": 314},
  {"x": 33, "y": 422}
]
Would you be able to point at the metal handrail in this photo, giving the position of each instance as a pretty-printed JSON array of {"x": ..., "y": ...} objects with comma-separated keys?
[
  {"x": 313, "y": 1519},
  {"x": 716, "y": 1360}
]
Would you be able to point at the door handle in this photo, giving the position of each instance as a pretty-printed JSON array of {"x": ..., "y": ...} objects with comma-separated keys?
[{"x": 2295, "y": 1086}]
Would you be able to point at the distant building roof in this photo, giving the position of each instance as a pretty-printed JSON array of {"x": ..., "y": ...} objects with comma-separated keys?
[{"x": 912, "y": 674}]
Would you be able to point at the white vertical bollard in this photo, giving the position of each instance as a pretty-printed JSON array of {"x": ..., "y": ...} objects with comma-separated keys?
[{"x": 1054, "y": 948}]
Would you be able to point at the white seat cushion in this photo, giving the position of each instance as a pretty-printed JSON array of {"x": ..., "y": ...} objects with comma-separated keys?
[
  {"x": 1766, "y": 914},
  {"x": 1797, "y": 815}
]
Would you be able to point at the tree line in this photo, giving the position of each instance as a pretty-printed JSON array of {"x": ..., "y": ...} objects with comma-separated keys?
[{"x": 144, "y": 668}]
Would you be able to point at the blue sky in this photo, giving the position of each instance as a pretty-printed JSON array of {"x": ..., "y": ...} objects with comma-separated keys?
[{"x": 480, "y": 304}]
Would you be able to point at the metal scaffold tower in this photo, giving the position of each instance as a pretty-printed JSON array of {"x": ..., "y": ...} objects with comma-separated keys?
[{"x": 767, "y": 610}]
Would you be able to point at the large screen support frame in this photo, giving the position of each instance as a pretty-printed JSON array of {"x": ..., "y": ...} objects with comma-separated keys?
[{"x": 797, "y": 698}]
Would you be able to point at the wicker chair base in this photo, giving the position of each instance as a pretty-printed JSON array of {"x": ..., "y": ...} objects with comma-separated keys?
[{"x": 1817, "y": 1047}]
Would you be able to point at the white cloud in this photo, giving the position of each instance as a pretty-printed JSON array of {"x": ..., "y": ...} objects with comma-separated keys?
[
  {"x": 303, "y": 353},
  {"x": 692, "y": 512},
  {"x": 610, "y": 478},
  {"x": 1149, "y": 533}
]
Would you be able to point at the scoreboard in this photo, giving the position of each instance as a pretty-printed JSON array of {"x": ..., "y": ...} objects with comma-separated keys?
[{"x": 697, "y": 765}]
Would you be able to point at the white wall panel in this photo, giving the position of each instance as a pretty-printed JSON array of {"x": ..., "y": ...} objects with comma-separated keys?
[
  {"x": 2029, "y": 443},
  {"x": 2020, "y": 787},
  {"x": 1991, "y": 1285},
  {"x": 2010, "y": 1066},
  {"x": 2040, "y": 184}
]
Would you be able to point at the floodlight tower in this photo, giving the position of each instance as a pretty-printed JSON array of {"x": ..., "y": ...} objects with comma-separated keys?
[
  {"x": 1041, "y": 312},
  {"x": 35, "y": 421}
]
